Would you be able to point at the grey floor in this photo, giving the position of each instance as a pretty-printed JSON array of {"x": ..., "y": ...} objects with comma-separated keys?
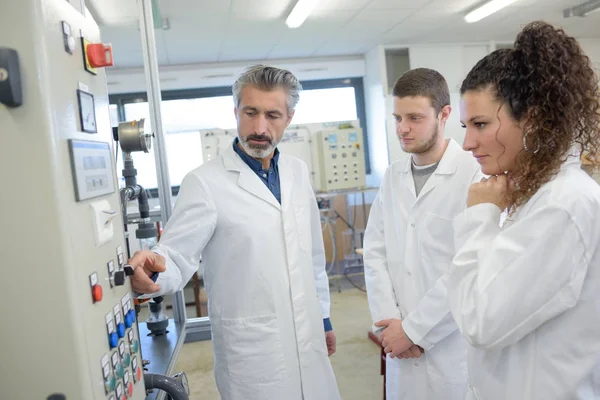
[{"x": 356, "y": 362}]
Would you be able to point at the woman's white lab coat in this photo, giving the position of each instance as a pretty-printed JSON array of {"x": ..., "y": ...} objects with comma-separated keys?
[
  {"x": 408, "y": 248},
  {"x": 264, "y": 270},
  {"x": 527, "y": 295}
]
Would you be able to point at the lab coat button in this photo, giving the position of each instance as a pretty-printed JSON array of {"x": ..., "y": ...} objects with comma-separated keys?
[
  {"x": 409, "y": 273},
  {"x": 412, "y": 225},
  {"x": 417, "y": 364}
]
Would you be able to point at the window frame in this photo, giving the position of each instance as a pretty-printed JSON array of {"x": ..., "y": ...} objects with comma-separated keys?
[{"x": 183, "y": 94}]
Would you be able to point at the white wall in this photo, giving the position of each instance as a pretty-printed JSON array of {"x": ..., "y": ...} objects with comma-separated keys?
[
  {"x": 592, "y": 48},
  {"x": 224, "y": 74}
]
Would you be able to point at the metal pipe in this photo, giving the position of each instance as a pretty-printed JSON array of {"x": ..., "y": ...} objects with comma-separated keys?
[
  {"x": 171, "y": 386},
  {"x": 160, "y": 153}
]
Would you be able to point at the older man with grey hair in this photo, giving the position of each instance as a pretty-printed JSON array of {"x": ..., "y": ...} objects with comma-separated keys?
[{"x": 252, "y": 215}]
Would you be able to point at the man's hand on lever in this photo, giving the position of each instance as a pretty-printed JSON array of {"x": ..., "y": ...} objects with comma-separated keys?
[{"x": 145, "y": 263}]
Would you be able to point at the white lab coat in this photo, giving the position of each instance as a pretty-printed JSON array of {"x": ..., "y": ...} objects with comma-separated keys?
[
  {"x": 264, "y": 270},
  {"x": 526, "y": 294},
  {"x": 408, "y": 247}
]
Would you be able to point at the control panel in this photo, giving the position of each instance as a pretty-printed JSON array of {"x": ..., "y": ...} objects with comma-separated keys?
[
  {"x": 215, "y": 141},
  {"x": 340, "y": 157},
  {"x": 80, "y": 339}
]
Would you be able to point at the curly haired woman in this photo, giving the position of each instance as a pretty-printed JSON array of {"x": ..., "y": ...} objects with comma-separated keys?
[{"x": 525, "y": 293}]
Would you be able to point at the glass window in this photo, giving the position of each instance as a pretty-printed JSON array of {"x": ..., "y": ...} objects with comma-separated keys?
[
  {"x": 114, "y": 115},
  {"x": 183, "y": 118},
  {"x": 326, "y": 105}
]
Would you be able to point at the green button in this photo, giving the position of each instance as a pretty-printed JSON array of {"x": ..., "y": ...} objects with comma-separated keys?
[
  {"x": 119, "y": 370},
  {"x": 110, "y": 383},
  {"x": 126, "y": 359},
  {"x": 135, "y": 346}
]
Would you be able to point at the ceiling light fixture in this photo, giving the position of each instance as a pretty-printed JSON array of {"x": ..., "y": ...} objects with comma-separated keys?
[
  {"x": 300, "y": 12},
  {"x": 582, "y": 9},
  {"x": 486, "y": 9}
]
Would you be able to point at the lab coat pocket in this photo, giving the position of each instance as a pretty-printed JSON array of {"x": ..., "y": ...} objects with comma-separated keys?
[
  {"x": 253, "y": 350},
  {"x": 436, "y": 238}
]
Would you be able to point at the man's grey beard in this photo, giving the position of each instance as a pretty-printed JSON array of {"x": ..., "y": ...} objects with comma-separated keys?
[{"x": 259, "y": 151}]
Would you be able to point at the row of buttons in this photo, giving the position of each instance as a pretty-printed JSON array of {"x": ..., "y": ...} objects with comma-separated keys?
[
  {"x": 344, "y": 155},
  {"x": 115, "y": 277},
  {"x": 345, "y": 179},
  {"x": 345, "y": 165},
  {"x": 118, "y": 378}
]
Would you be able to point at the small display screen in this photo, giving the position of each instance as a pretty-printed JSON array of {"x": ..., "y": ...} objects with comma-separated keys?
[{"x": 94, "y": 162}]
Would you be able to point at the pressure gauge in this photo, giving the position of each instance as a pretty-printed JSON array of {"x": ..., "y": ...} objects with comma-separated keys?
[
  {"x": 133, "y": 136},
  {"x": 87, "y": 111}
]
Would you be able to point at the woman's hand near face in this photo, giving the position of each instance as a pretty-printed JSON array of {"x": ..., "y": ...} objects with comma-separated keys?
[{"x": 492, "y": 190}]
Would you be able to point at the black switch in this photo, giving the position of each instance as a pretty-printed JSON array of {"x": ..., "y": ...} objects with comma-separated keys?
[
  {"x": 11, "y": 92},
  {"x": 119, "y": 278},
  {"x": 128, "y": 269}
]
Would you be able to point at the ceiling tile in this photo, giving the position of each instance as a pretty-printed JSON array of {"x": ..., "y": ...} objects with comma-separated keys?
[
  {"x": 233, "y": 53},
  {"x": 343, "y": 5},
  {"x": 392, "y": 4},
  {"x": 284, "y": 51}
]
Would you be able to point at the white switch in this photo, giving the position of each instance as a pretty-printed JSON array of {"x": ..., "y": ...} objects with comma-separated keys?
[{"x": 102, "y": 215}]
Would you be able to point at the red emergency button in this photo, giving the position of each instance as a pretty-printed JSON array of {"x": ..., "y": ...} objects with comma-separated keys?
[
  {"x": 130, "y": 389},
  {"x": 138, "y": 374},
  {"x": 99, "y": 55},
  {"x": 97, "y": 293}
]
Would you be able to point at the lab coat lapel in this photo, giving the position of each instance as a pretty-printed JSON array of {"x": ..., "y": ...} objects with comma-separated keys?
[
  {"x": 407, "y": 178},
  {"x": 448, "y": 165},
  {"x": 248, "y": 180},
  {"x": 286, "y": 181}
]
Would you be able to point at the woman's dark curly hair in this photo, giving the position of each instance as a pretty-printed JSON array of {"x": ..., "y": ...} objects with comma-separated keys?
[{"x": 548, "y": 80}]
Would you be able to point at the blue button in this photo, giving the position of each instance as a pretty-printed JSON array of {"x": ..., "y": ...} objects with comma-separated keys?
[
  {"x": 113, "y": 340},
  {"x": 129, "y": 318},
  {"x": 121, "y": 330}
]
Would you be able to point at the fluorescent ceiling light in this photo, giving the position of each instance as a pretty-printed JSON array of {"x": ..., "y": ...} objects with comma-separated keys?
[
  {"x": 300, "y": 12},
  {"x": 486, "y": 9}
]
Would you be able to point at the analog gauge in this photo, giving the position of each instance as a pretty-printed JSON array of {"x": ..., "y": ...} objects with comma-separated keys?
[{"x": 87, "y": 111}]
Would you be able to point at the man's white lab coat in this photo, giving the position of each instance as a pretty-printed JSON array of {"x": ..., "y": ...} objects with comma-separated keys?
[
  {"x": 408, "y": 248},
  {"x": 264, "y": 270}
]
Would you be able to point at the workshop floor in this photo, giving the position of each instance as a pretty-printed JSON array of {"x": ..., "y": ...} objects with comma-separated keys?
[{"x": 356, "y": 362}]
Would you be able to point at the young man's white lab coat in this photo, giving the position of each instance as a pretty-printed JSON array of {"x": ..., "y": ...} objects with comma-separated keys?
[
  {"x": 264, "y": 270},
  {"x": 408, "y": 248},
  {"x": 526, "y": 294}
]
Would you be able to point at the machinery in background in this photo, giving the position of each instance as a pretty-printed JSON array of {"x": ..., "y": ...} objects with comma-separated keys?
[
  {"x": 83, "y": 341},
  {"x": 132, "y": 136},
  {"x": 333, "y": 151},
  {"x": 215, "y": 141},
  {"x": 339, "y": 159}
]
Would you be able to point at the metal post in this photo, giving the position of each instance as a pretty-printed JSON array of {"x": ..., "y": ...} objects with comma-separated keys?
[{"x": 160, "y": 153}]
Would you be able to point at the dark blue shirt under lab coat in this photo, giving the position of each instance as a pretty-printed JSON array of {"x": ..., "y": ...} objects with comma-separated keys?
[{"x": 270, "y": 178}]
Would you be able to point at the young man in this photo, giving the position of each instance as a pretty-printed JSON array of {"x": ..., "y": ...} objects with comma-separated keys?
[
  {"x": 408, "y": 245},
  {"x": 253, "y": 216}
]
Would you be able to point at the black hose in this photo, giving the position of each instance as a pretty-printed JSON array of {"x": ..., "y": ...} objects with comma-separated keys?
[{"x": 170, "y": 386}]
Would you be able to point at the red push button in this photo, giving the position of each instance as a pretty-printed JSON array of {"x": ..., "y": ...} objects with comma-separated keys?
[
  {"x": 100, "y": 55},
  {"x": 138, "y": 374},
  {"x": 97, "y": 293},
  {"x": 130, "y": 389}
]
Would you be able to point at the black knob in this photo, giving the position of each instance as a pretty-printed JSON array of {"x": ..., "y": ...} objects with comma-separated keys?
[
  {"x": 128, "y": 269},
  {"x": 119, "y": 278}
]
